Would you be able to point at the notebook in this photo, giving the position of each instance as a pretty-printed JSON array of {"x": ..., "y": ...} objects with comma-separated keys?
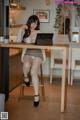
[{"x": 44, "y": 39}]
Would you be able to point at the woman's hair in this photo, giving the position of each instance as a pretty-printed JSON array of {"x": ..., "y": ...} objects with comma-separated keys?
[{"x": 32, "y": 19}]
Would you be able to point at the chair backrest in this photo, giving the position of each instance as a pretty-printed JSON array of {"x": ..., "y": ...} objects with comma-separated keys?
[
  {"x": 75, "y": 62},
  {"x": 61, "y": 38},
  {"x": 57, "y": 58},
  {"x": 56, "y": 55}
]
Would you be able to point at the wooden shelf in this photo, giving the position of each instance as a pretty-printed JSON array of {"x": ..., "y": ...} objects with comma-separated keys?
[
  {"x": 17, "y": 8},
  {"x": 15, "y": 26}
]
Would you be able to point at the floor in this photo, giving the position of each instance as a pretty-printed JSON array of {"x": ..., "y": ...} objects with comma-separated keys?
[{"x": 23, "y": 109}]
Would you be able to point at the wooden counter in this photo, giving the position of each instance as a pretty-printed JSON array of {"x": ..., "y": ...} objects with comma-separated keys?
[
  {"x": 63, "y": 48},
  {"x": 20, "y": 45},
  {"x": 15, "y": 70}
]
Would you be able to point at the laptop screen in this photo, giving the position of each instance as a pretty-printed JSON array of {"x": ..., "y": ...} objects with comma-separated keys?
[{"x": 44, "y": 39}]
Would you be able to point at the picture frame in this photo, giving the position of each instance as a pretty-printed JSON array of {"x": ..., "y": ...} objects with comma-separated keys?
[{"x": 44, "y": 15}]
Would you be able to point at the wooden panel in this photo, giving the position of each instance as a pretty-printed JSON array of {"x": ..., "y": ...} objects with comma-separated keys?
[
  {"x": 77, "y": 62},
  {"x": 15, "y": 71},
  {"x": 59, "y": 61}
]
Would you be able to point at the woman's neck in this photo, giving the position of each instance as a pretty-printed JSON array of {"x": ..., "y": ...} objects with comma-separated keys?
[{"x": 32, "y": 30}]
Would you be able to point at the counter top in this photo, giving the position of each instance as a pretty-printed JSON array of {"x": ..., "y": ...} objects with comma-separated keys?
[{"x": 23, "y": 45}]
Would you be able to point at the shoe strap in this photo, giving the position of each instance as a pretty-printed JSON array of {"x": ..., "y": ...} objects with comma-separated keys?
[
  {"x": 26, "y": 77},
  {"x": 36, "y": 95}
]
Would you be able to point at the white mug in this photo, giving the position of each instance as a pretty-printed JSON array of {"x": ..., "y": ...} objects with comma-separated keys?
[
  {"x": 6, "y": 40},
  {"x": 1, "y": 39}
]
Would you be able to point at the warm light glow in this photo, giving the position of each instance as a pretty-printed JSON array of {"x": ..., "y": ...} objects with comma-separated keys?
[
  {"x": 16, "y": 4},
  {"x": 47, "y": 2},
  {"x": 13, "y": 4}
]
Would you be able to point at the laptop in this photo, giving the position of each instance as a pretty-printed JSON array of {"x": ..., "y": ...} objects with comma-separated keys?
[{"x": 44, "y": 39}]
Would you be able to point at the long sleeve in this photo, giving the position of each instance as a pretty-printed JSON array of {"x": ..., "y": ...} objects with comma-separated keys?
[
  {"x": 20, "y": 36},
  {"x": 19, "y": 40}
]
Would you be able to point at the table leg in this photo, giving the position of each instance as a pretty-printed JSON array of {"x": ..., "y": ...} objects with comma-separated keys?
[
  {"x": 63, "y": 88},
  {"x": 69, "y": 66}
]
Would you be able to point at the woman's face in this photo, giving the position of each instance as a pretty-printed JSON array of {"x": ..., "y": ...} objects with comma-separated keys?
[{"x": 33, "y": 25}]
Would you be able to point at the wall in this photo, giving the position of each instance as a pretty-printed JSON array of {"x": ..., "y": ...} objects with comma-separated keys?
[
  {"x": 21, "y": 16},
  {"x": 75, "y": 21}
]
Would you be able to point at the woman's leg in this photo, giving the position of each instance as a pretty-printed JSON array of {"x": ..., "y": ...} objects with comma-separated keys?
[
  {"x": 34, "y": 73},
  {"x": 26, "y": 66}
]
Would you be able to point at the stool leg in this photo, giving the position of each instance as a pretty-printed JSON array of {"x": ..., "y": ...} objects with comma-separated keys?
[
  {"x": 51, "y": 74},
  {"x": 42, "y": 83},
  {"x": 69, "y": 76},
  {"x": 72, "y": 73},
  {"x": 21, "y": 89}
]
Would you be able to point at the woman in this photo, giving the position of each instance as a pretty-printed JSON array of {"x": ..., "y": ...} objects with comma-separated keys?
[{"x": 31, "y": 58}]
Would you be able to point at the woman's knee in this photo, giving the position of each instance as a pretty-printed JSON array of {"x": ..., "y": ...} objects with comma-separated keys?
[
  {"x": 33, "y": 72},
  {"x": 26, "y": 65}
]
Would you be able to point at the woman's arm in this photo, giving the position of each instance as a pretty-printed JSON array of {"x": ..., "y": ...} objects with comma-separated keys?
[
  {"x": 23, "y": 53},
  {"x": 20, "y": 34}
]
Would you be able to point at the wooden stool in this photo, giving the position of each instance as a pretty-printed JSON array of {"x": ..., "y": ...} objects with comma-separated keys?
[{"x": 41, "y": 85}]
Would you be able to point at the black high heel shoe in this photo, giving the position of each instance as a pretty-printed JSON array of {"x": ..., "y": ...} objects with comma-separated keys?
[
  {"x": 27, "y": 83},
  {"x": 36, "y": 103}
]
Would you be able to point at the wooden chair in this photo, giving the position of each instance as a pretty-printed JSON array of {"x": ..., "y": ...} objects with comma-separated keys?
[
  {"x": 41, "y": 85},
  {"x": 56, "y": 62},
  {"x": 56, "y": 55},
  {"x": 75, "y": 63}
]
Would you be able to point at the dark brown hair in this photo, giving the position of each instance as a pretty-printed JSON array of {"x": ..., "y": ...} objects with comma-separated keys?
[{"x": 32, "y": 19}]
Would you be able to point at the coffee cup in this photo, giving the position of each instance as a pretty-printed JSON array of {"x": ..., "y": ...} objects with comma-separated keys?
[{"x": 1, "y": 39}]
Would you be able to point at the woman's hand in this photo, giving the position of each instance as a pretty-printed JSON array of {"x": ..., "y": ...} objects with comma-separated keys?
[{"x": 25, "y": 27}]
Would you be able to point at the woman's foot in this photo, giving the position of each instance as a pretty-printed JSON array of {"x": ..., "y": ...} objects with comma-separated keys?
[
  {"x": 36, "y": 100},
  {"x": 26, "y": 81}
]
